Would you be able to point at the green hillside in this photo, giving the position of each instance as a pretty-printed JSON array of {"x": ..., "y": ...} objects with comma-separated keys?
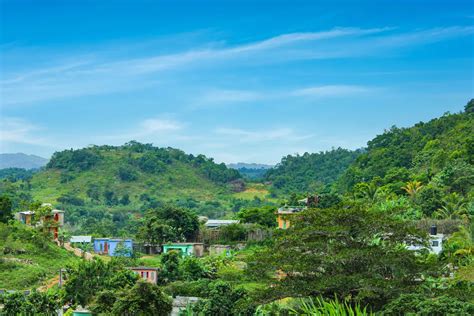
[
  {"x": 106, "y": 189},
  {"x": 29, "y": 259},
  {"x": 310, "y": 172},
  {"x": 130, "y": 175},
  {"x": 439, "y": 152}
]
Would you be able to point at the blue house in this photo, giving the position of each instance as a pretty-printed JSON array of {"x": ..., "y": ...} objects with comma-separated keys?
[{"x": 107, "y": 246}]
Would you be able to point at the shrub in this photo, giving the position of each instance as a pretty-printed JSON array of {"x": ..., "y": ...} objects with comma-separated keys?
[{"x": 421, "y": 305}]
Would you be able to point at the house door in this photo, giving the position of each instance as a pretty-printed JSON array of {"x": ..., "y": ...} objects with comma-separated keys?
[{"x": 106, "y": 247}]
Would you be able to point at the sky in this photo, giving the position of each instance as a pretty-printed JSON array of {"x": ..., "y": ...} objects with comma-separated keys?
[{"x": 239, "y": 81}]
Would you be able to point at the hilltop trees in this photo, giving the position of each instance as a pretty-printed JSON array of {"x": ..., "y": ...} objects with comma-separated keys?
[{"x": 309, "y": 172}]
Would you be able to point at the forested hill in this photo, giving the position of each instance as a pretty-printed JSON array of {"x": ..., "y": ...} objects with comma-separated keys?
[
  {"x": 441, "y": 151},
  {"x": 132, "y": 175},
  {"x": 310, "y": 172}
]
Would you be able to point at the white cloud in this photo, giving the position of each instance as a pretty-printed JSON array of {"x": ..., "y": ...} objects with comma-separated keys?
[{"x": 19, "y": 131}]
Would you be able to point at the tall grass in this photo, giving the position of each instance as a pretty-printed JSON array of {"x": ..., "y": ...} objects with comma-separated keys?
[{"x": 321, "y": 307}]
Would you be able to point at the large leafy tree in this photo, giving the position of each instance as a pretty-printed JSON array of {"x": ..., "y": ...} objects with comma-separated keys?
[
  {"x": 88, "y": 278},
  {"x": 169, "y": 223},
  {"x": 142, "y": 299},
  {"x": 351, "y": 253}
]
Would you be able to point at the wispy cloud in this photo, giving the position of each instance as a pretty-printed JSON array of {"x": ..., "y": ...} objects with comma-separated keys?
[
  {"x": 20, "y": 131},
  {"x": 98, "y": 75},
  {"x": 331, "y": 90},
  {"x": 281, "y": 134},
  {"x": 225, "y": 96}
]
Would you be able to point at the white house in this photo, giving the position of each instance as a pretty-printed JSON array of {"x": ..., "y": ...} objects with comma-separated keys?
[{"x": 436, "y": 242}]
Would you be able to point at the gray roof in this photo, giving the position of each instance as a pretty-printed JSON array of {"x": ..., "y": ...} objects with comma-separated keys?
[
  {"x": 81, "y": 239},
  {"x": 143, "y": 268},
  {"x": 220, "y": 222}
]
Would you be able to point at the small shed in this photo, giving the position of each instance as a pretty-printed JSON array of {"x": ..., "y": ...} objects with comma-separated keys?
[
  {"x": 146, "y": 273},
  {"x": 107, "y": 246},
  {"x": 187, "y": 249}
]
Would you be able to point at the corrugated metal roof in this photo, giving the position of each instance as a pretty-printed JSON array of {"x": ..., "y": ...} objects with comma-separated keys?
[
  {"x": 80, "y": 239},
  {"x": 220, "y": 222}
]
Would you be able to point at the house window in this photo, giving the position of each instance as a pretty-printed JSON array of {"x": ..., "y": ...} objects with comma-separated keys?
[
  {"x": 435, "y": 243},
  {"x": 152, "y": 275}
]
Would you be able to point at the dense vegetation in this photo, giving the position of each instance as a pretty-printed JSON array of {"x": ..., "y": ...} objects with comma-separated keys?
[
  {"x": 440, "y": 151},
  {"x": 310, "y": 172}
]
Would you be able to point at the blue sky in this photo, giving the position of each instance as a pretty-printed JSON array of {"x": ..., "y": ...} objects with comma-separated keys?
[{"x": 247, "y": 81}]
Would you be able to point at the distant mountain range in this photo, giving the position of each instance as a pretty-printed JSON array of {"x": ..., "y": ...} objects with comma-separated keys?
[
  {"x": 241, "y": 165},
  {"x": 21, "y": 160}
]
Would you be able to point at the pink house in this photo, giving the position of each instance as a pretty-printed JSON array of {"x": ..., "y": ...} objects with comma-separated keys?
[{"x": 146, "y": 273}]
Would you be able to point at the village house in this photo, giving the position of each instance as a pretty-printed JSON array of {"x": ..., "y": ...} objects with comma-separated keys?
[
  {"x": 285, "y": 213},
  {"x": 436, "y": 242},
  {"x": 148, "y": 274},
  {"x": 55, "y": 218},
  {"x": 108, "y": 246},
  {"x": 186, "y": 249}
]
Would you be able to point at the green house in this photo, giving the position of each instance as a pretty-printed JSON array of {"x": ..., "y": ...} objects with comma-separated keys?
[{"x": 186, "y": 249}]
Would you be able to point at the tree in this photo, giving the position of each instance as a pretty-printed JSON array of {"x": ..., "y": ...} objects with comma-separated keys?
[
  {"x": 192, "y": 269},
  {"x": 222, "y": 300},
  {"x": 103, "y": 302},
  {"x": 419, "y": 304},
  {"x": 412, "y": 188},
  {"x": 459, "y": 248},
  {"x": 469, "y": 108},
  {"x": 88, "y": 278},
  {"x": 5, "y": 209},
  {"x": 345, "y": 252},
  {"x": 171, "y": 270},
  {"x": 264, "y": 216},
  {"x": 63, "y": 236},
  {"x": 454, "y": 206},
  {"x": 169, "y": 223},
  {"x": 35, "y": 303},
  {"x": 143, "y": 298}
]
